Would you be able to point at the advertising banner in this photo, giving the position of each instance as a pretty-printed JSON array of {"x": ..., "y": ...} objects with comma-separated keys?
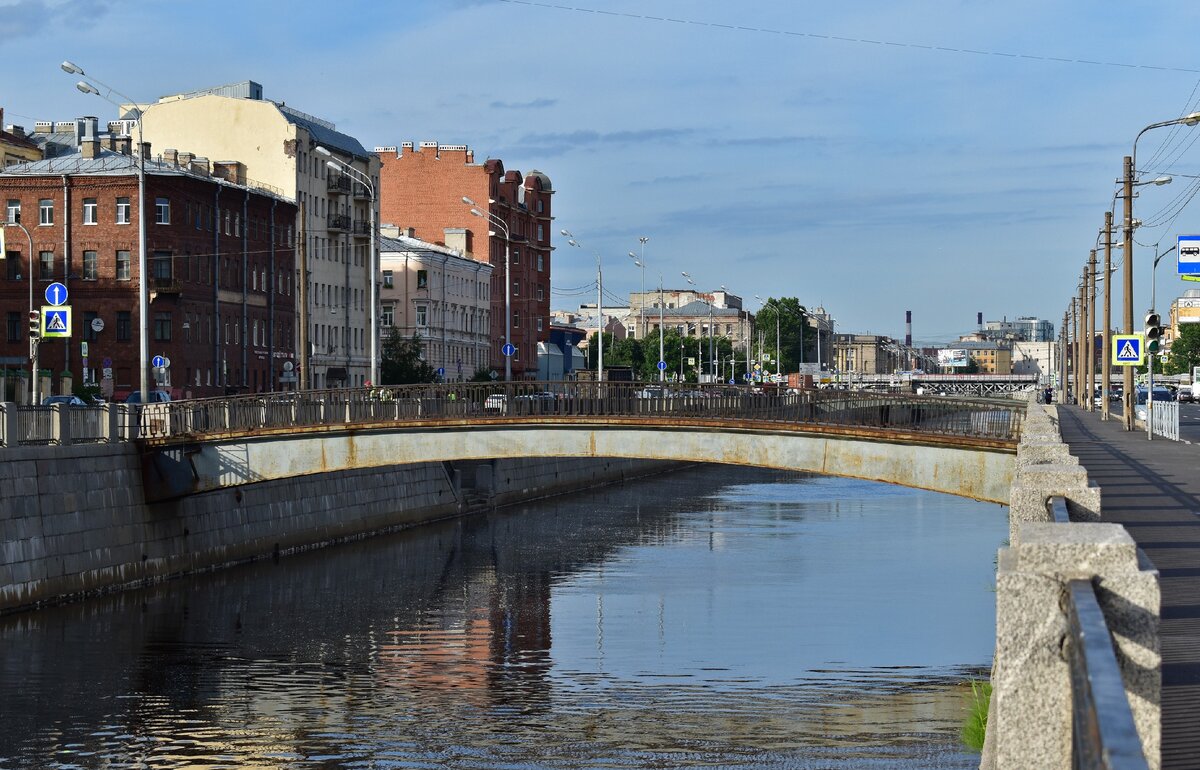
[{"x": 953, "y": 357}]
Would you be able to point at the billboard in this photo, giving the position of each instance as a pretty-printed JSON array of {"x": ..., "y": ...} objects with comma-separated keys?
[{"x": 953, "y": 357}]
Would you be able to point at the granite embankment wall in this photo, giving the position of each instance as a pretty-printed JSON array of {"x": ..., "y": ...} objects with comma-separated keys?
[{"x": 73, "y": 519}]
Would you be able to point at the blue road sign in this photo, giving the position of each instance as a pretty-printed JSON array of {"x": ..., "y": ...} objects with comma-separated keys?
[
  {"x": 441, "y": 372},
  {"x": 662, "y": 366},
  {"x": 56, "y": 294},
  {"x": 106, "y": 363},
  {"x": 508, "y": 349},
  {"x": 1127, "y": 350},
  {"x": 56, "y": 321},
  {"x": 158, "y": 362},
  {"x": 1188, "y": 258}
]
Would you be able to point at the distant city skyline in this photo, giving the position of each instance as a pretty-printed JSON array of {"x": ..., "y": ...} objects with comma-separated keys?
[{"x": 871, "y": 158}]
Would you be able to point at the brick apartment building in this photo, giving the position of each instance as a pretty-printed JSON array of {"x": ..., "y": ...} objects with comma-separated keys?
[
  {"x": 422, "y": 187},
  {"x": 219, "y": 256}
]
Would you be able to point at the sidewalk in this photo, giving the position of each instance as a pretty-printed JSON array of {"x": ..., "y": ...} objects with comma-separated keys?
[{"x": 1153, "y": 488}]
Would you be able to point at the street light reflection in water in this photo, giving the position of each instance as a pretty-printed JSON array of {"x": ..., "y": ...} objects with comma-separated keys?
[{"x": 708, "y": 617}]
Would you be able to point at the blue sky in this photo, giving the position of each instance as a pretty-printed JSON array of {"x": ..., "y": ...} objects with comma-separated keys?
[{"x": 870, "y": 177}]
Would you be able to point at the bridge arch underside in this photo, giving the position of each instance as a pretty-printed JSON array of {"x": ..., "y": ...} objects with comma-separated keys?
[{"x": 980, "y": 469}]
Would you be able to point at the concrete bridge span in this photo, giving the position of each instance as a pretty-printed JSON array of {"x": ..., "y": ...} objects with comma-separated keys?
[{"x": 969, "y": 466}]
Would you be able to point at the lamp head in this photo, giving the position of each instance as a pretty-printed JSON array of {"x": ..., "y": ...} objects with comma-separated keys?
[
  {"x": 567, "y": 233},
  {"x": 1162, "y": 180},
  {"x": 87, "y": 87},
  {"x": 468, "y": 201},
  {"x": 633, "y": 255},
  {"x": 71, "y": 68},
  {"x": 573, "y": 243},
  {"x": 477, "y": 212},
  {"x": 1192, "y": 119},
  {"x": 333, "y": 164},
  {"x": 322, "y": 151}
]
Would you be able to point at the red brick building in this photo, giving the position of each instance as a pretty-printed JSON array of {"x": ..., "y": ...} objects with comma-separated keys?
[
  {"x": 422, "y": 188},
  {"x": 220, "y": 263}
]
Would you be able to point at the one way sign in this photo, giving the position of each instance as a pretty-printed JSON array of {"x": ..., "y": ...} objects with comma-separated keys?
[{"x": 1128, "y": 350}]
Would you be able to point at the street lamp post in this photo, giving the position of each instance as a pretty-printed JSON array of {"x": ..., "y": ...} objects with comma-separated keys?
[
  {"x": 1190, "y": 119},
  {"x": 640, "y": 261},
  {"x": 1150, "y": 369},
  {"x": 338, "y": 165},
  {"x": 33, "y": 341},
  {"x": 599, "y": 307},
  {"x": 496, "y": 221},
  {"x": 699, "y": 357},
  {"x": 143, "y": 287}
]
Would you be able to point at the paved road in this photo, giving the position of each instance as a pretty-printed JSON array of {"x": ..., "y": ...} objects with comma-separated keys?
[
  {"x": 1153, "y": 488},
  {"x": 1189, "y": 425}
]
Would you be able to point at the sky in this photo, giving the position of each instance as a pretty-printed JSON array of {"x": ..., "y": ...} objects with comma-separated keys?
[{"x": 947, "y": 157}]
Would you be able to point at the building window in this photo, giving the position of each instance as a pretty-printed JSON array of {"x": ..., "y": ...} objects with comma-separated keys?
[
  {"x": 541, "y": 233},
  {"x": 162, "y": 211},
  {"x": 389, "y": 315},
  {"x": 89, "y": 265},
  {"x": 516, "y": 320},
  {"x": 422, "y": 315},
  {"x": 14, "y": 265},
  {"x": 540, "y": 206},
  {"x": 387, "y": 279},
  {"x": 88, "y": 317},
  {"x": 539, "y": 263},
  {"x": 89, "y": 211},
  {"x": 45, "y": 212},
  {"x": 539, "y": 324},
  {"x": 46, "y": 258},
  {"x": 162, "y": 267},
  {"x": 122, "y": 265},
  {"x": 422, "y": 279},
  {"x": 14, "y": 326},
  {"x": 516, "y": 291},
  {"x": 516, "y": 256},
  {"x": 541, "y": 293},
  {"x": 122, "y": 211},
  {"x": 13, "y": 211},
  {"x": 124, "y": 325},
  {"x": 162, "y": 327}
]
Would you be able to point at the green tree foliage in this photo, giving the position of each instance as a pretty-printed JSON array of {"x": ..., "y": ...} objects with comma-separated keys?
[
  {"x": 793, "y": 327},
  {"x": 642, "y": 356},
  {"x": 401, "y": 362},
  {"x": 482, "y": 374},
  {"x": 972, "y": 366},
  {"x": 1185, "y": 350}
]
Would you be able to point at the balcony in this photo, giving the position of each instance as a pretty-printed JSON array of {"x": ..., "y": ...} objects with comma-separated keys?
[
  {"x": 339, "y": 223},
  {"x": 362, "y": 192},
  {"x": 362, "y": 228},
  {"x": 338, "y": 184},
  {"x": 165, "y": 285}
]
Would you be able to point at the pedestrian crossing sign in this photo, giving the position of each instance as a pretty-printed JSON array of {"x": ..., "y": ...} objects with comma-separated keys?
[
  {"x": 56, "y": 321},
  {"x": 1128, "y": 350}
]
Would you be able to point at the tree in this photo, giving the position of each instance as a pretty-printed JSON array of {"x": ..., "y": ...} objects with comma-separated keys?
[
  {"x": 1185, "y": 350},
  {"x": 482, "y": 374},
  {"x": 793, "y": 325},
  {"x": 401, "y": 362},
  {"x": 972, "y": 366}
]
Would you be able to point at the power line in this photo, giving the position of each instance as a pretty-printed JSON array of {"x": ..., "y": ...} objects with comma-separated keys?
[{"x": 842, "y": 39}]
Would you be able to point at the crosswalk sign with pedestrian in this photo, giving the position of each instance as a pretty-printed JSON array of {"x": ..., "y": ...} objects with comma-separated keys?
[
  {"x": 1128, "y": 350},
  {"x": 56, "y": 321}
]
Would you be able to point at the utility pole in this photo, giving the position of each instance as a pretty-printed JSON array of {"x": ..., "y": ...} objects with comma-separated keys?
[
  {"x": 1091, "y": 341},
  {"x": 1105, "y": 365},
  {"x": 1075, "y": 347},
  {"x": 1062, "y": 359},
  {"x": 1127, "y": 397}
]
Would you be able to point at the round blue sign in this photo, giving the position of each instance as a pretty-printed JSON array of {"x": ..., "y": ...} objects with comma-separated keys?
[
  {"x": 662, "y": 366},
  {"x": 56, "y": 294},
  {"x": 508, "y": 349},
  {"x": 158, "y": 362},
  {"x": 441, "y": 372}
]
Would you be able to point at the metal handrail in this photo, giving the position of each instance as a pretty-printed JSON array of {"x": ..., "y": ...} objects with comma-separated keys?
[{"x": 1104, "y": 734}]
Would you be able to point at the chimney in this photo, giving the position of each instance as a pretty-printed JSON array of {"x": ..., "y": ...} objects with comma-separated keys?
[
  {"x": 144, "y": 150},
  {"x": 90, "y": 147},
  {"x": 908, "y": 328},
  {"x": 389, "y": 231},
  {"x": 122, "y": 145},
  {"x": 171, "y": 156},
  {"x": 186, "y": 158},
  {"x": 456, "y": 238}
]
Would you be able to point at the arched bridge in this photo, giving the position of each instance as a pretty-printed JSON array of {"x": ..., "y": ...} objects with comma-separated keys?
[{"x": 960, "y": 446}]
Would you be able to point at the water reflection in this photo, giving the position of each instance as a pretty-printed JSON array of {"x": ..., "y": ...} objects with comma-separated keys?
[{"x": 717, "y": 616}]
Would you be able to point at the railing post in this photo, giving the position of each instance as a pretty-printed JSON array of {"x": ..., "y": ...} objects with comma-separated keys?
[
  {"x": 60, "y": 424},
  {"x": 11, "y": 436},
  {"x": 109, "y": 425}
]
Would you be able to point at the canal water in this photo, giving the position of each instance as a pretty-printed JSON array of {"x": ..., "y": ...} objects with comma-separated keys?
[{"x": 712, "y": 617}]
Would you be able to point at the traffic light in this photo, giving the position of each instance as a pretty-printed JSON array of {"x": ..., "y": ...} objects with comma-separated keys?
[
  {"x": 1154, "y": 332},
  {"x": 35, "y": 324}
]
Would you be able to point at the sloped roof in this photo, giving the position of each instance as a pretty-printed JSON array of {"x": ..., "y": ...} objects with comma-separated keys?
[{"x": 324, "y": 135}]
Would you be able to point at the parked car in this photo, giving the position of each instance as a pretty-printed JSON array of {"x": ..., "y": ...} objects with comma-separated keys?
[
  {"x": 152, "y": 397},
  {"x": 1160, "y": 394},
  {"x": 68, "y": 400},
  {"x": 497, "y": 402},
  {"x": 1185, "y": 395}
]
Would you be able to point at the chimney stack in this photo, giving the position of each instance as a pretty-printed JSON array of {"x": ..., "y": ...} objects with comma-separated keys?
[{"x": 908, "y": 328}]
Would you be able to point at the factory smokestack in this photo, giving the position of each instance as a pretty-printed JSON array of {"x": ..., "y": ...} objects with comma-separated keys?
[
  {"x": 908, "y": 328},
  {"x": 979, "y": 320}
]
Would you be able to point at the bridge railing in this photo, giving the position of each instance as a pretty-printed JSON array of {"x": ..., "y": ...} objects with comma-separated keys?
[{"x": 999, "y": 419}]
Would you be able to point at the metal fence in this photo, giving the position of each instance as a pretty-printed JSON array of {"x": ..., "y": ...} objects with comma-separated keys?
[
  {"x": 522, "y": 401},
  {"x": 1164, "y": 419},
  {"x": 516, "y": 402}
]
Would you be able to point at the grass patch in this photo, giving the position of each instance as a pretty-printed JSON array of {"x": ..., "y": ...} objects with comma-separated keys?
[{"x": 974, "y": 728}]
